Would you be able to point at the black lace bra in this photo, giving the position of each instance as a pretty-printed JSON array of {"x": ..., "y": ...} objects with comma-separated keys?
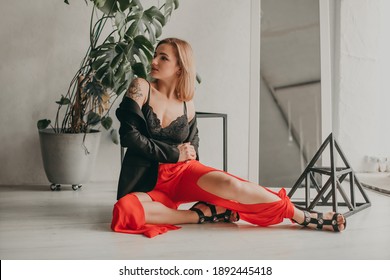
[{"x": 175, "y": 133}]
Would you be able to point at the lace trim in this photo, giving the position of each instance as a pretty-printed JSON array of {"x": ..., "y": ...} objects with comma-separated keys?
[{"x": 177, "y": 131}]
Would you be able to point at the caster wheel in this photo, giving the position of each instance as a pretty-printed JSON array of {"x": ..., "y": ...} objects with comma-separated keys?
[
  {"x": 75, "y": 187},
  {"x": 55, "y": 187}
]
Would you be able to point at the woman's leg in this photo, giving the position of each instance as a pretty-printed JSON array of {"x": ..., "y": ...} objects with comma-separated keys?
[
  {"x": 248, "y": 194},
  {"x": 229, "y": 187},
  {"x": 129, "y": 217},
  {"x": 158, "y": 213}
]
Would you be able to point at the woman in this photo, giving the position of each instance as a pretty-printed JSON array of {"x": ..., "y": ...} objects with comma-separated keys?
[{"x": 161, "y": 170}]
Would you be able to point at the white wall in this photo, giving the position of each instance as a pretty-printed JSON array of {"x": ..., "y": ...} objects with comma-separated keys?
[
  {"x": 43, "y": 43},
  {"x": 362, "y": 65},
  {"x": 280, "y": 158}
]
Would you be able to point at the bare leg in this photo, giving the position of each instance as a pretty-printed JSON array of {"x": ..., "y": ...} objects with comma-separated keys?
[
  {"x": 158, "y": 213},
  {"x": 228, "y": 187}
]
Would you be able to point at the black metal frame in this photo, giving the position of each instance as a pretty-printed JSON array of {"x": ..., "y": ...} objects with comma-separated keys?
[
  {"x": 336, "y": 177},
  {"x": 224, "y": 121},
  {"x": 207, "y": 115}
]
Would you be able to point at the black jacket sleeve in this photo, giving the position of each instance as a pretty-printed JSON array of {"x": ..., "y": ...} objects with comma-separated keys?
[
  {"x": 134, "y": 135},
  {"x": 193, "y": 137}
]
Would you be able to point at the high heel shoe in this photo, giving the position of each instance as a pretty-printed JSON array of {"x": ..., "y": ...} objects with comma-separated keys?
[
  {"x": 214, "y": 218},
  {"x": 321, "y": 222}
]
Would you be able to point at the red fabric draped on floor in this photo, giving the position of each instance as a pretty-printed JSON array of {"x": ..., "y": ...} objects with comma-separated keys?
[
  {"x": 177, "y": 184},
  {"x": 128, "y": 217}
]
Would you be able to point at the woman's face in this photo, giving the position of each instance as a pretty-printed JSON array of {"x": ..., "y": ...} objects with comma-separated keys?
[{"x": 164, "y": 64}]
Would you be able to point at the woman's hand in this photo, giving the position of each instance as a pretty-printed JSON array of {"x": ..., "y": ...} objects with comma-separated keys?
[{"x": 187, "y": 152}]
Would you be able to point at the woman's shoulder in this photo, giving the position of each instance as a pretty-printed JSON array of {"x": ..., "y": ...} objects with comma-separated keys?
[
  {"x": 138, "y": 90},
  {"x": 140, "y": 83}
]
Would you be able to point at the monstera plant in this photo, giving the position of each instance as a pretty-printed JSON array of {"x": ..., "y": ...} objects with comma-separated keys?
[
  {"x": 122, "y": 37},
  {"x": 110, "y": 63}
]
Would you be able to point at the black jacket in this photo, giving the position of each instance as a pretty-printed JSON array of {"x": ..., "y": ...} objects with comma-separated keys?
[{"x": 143, "y": 154}]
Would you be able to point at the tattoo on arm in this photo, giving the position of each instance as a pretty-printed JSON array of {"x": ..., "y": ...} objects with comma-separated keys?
[{"x": 134, "y": 91}]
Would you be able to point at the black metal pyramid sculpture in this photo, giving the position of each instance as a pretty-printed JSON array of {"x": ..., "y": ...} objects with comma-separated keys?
[{"x": 327, "y": 194}]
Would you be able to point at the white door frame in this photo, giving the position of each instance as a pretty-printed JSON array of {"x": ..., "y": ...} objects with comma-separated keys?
[
  {"x": 326, "y": 69},
  {"x": 254, "y": 94}
]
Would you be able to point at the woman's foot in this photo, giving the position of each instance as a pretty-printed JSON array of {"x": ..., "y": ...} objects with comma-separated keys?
[
  {"x": 323, "y": 221},
  {"x": 214, "y": 214}
]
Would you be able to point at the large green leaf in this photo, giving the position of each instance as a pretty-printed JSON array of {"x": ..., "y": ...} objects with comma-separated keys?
[
  {"x": 142, "y": 43},
  {"x": 148, "y": 23},
  {"x": 93, "y": 118},
  {"x": 106, "y": 122},
  {"x": 153, "y": 14},
  {"x": 102, "y": 72},
  {"x": 123, "y": 87},
  {"x": 136, "y": 56},
  {"x": 102, "y": 50},
  {"x": 169, "y": 6},
  {"x": 108, "y": 56},
  {"x": 109, "y": 7},
  {"x": 122, "y": 69},
  {"x": 94, "y": 88},
  {"x": 120, "y": 21},
  {"x": 151, "y": 33},
  {"x": 115, "y": 62},
  {"x": 158, "y": 29},
  {"x": 139, "y": 70},
  {"x": 108, "y": 80},
  {"x": 132, "y": 31},
  {"x": 98, "y": 63},
  {"x": 121, "y": 47}
]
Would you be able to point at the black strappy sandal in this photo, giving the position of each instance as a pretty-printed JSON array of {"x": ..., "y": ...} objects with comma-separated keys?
[
  {"x": 214, "y": 218},
  {"x": 320, "y": 221},
  {"x": 225, "y": 216},
  {"x": 202, "y": 218}
]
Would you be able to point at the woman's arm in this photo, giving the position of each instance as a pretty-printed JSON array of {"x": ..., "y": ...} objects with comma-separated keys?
[{"x": 193, "y": 137}]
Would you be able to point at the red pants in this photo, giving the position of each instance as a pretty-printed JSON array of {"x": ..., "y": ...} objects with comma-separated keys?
[{"x": 177, "y": 184}]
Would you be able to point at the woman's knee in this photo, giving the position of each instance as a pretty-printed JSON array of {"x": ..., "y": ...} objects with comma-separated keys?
[
  {"x": 233, "y": 184},
  {"x": 128, "y": 213},
  {"x": 222, "y": 184},
  {"x": 240, "y": 191}
]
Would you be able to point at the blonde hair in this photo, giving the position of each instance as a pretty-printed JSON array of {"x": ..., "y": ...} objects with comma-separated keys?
[{"x": 185, "y": 88}]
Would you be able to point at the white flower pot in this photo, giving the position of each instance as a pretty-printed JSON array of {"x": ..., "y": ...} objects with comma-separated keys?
[{"x": 68, "y": 158}]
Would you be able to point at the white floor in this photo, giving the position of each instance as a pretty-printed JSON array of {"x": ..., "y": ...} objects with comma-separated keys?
[{"x": 36, "y": 223}]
